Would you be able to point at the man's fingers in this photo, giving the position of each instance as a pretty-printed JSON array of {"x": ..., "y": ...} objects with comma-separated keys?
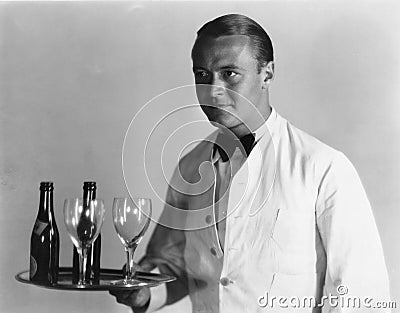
[
  {"x": 143, "y": 296},
  {"x": 146, "y": 266},
  {"x": 124, "y": 297},
  {"x": 134, "y": 298}
]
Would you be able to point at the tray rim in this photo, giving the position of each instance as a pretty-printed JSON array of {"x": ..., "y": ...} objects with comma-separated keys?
[{"x": 146, "y": 282}]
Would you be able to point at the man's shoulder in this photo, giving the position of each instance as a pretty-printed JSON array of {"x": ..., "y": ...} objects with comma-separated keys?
[
  {"x": 311, "y": 156},
  {"x": 308, "y": 147}
]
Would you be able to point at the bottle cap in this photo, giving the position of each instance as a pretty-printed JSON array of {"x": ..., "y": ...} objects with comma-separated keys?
[
  {"x": 46, "y": 185},
  {"x": 89, "y": 185}
]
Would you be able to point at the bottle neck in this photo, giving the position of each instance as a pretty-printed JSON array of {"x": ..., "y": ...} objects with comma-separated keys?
[
  {"x": 46, "y": 206},
  {"x": 88, "y": 194}
]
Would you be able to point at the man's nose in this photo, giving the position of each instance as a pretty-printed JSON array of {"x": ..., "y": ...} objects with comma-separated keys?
[{"x": 217, "y": 88}]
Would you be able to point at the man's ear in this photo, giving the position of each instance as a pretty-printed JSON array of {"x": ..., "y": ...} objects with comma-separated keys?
[{"x": 267, "y": 73}]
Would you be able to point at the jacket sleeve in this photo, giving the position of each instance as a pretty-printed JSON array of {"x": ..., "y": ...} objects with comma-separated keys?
[
  {"x": 355, "y": 261},
  {"x": 165, "y": 250}
]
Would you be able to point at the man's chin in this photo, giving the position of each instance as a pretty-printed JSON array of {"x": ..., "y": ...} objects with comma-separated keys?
[
  {"x": 224, "y": 121},
  {"x": 221, "y": 123},
  {"x": 229, "y": 127}
]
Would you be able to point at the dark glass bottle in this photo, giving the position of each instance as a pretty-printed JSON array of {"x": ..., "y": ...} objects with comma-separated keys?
[
  {"x": 93, "y": 253},
  {"x": 45, "y": 240}
]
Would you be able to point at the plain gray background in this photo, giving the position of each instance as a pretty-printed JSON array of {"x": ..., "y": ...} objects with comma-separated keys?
[{"x": 72, "y": 76}]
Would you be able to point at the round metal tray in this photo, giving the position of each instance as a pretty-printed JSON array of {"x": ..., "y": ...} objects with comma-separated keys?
[{"x": 107, "y": 276}]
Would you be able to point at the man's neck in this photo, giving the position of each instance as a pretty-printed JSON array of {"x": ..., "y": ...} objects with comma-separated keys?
[{"x": 250, "y": 127}]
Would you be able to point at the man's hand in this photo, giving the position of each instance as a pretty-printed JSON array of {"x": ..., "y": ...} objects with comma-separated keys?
[
  {"x": 137, "y": 299},
  {"x": 133, "y": 298}
]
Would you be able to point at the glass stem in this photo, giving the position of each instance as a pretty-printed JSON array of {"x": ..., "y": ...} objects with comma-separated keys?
[
  {"x": 130, "y": 269},
  {"x": 82, "y": 265}
]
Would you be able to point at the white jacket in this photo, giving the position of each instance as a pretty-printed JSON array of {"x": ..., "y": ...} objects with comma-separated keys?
[{"x": 299, "y": 225}]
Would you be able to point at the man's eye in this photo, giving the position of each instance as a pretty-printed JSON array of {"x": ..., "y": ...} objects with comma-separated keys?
[
  {"x": 201, "y": 74},
  {"x": 230, "y": 74}
]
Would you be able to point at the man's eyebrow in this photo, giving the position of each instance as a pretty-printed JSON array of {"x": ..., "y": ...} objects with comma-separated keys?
[
  {"x": 225, "y": 67},
  {"x": 231, "y": 66},
  {"x": 196, "y": 68}
]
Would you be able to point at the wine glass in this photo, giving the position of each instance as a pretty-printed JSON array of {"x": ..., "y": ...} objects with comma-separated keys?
[
  {"x": 83, "y": 221},
  {"x": 131, "y": 218}
]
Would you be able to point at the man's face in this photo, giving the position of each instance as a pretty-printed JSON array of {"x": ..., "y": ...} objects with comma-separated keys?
[{"x": 231, "y": 91}]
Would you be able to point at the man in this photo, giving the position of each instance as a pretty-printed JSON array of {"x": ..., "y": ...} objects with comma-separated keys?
[{"x": 301, "y": 227}]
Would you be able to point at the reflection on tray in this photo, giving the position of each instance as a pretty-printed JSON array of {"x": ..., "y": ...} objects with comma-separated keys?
[{"x": 107, "y": 276}]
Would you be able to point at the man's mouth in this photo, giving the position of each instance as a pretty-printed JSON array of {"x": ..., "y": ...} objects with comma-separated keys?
[{"x": 220, "y": 106}]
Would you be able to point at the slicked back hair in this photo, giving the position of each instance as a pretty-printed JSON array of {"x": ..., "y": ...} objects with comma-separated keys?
[{"x": 237, "y": 24}]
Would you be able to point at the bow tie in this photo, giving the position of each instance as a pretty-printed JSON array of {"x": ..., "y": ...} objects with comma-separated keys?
[{"x": 227, "y": 143}]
